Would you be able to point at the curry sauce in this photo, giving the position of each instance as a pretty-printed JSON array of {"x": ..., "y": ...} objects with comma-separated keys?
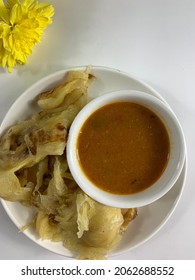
[{"x": 123, "y": 148}]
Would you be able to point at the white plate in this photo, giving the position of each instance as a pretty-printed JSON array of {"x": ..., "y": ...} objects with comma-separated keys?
[{"x": 150, "y": 218}]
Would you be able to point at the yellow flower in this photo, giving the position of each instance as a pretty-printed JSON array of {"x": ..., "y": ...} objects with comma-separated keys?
[{"x": 22, "y": 23}]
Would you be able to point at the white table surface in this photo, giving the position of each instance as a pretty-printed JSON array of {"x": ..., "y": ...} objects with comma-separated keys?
[{"x": 154, "y": 40}]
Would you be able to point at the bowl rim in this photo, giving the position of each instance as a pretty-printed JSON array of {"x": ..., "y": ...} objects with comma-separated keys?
[{"x": 114, "y": 200}]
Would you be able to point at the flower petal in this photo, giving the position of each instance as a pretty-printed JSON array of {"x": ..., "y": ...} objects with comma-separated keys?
[
  {"x": 13, "y": 14},
  {"x": 10, "y": 3},
  {"x": 4, "y": 14}
]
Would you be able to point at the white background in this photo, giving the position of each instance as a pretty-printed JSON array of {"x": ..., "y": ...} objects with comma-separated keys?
[{"x": 154, "y": 40}]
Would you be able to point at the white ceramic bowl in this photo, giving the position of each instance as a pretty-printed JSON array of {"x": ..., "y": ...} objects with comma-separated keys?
[{"x": 171, "y": 172}]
